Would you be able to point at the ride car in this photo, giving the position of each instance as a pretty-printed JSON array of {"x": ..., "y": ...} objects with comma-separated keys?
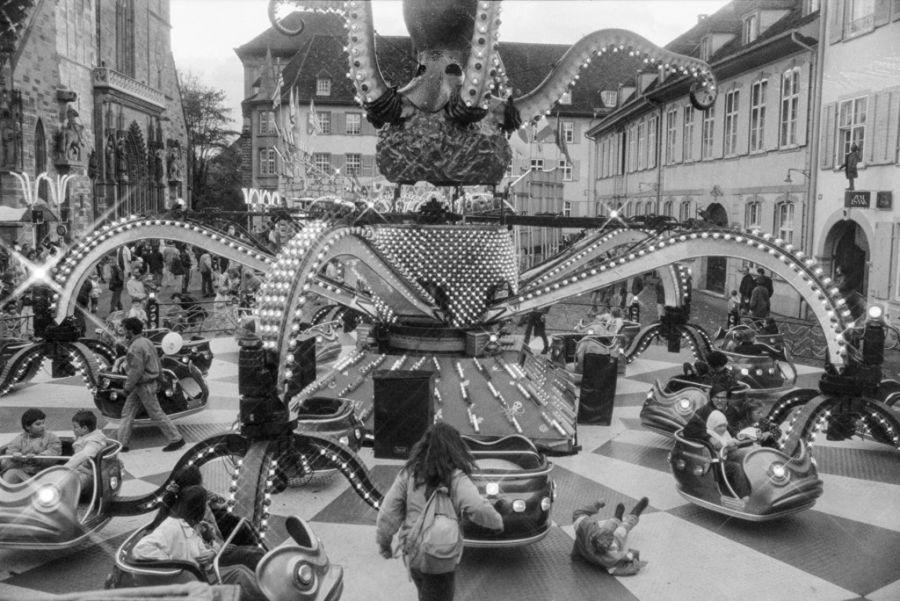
[
  {"x": 780, "y": 484},
  {"x": 296, "y": 570},
  {"x": 50, "y": 511},
  {"x": 511, "y": 470},
  {"x": 182, "y": 391}
]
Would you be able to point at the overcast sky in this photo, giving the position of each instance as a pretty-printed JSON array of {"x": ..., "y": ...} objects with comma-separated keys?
[{"x": 206, "y": 32}]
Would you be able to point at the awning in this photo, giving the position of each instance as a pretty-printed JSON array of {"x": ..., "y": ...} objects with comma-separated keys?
[{"x": 17, "y": 215}]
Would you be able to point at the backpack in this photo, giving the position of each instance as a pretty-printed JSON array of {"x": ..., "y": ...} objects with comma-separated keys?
[{"x": 434, "y": 543}]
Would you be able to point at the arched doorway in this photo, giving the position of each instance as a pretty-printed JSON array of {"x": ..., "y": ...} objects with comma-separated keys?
[
  {"x": 848, "y": 248},
  {"x": 716, "y": 267}
]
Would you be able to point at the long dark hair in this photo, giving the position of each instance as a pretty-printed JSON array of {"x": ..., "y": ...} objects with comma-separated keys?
[{"x": 437, "y": 455}]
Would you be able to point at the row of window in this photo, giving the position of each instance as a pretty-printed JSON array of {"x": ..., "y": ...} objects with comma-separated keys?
[
  {"x": 640, "y": 139},
  {"x": 784, "y": 213},
  {"x": 354, "y": 165},
  {"x": 322, "y": 123}
]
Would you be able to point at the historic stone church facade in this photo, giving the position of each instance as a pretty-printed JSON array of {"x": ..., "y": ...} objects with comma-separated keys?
[{"x": 90, "y": 98}]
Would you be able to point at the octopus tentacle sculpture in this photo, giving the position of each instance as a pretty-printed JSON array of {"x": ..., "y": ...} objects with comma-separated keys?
[{"x": 446, "y": 125}]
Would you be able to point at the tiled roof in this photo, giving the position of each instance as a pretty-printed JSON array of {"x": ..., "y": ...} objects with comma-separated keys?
[{"x": 792, "y": 20}]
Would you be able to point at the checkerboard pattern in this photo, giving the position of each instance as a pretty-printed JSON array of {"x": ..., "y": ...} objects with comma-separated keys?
[{"x": 844, "y": 549}]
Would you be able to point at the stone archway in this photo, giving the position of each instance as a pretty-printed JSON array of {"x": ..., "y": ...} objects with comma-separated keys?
[
  {"x": 849, "y": 249},
  {"x": 716, "y": 268}
]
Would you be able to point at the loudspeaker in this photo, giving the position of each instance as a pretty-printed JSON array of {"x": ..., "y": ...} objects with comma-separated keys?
[
  {"x": 475, "y": 343},
  {"x": 598, "y": 390},
  {"x": 404, "y": 410}
]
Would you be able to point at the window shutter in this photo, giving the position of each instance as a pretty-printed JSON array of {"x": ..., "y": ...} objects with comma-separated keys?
[
  {"x": 893, "y": 127},
  {"x": 340, "y": 122},
  {"x": 878, "y": 154},
  {"x": 803, "y": 103},
  {"x": 772, "y": 126},
  {"x": 882, "y": 12},
  {"x": 880, "y": 267},
  {"x": 368, "y": 165},
  {"x": 835, "y": 21},
  {"x": 826, "y": 142},
  {"x": 575, "y": 169},
  {"x": 576, "y": 132},
  {"x": 679, "y": 135},
  {"x": 743, "y": 123},
  {"x": 719, "y": 130}
]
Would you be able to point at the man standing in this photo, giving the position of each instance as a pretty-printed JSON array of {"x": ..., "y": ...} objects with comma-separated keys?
[
  {"x": 759, "y": 301},
  {"x": 748, "y": 283},
  {"x": 143, "y": 370},
  {"x": 765, "y": 280},
  {"x": 206, "y": 273}
]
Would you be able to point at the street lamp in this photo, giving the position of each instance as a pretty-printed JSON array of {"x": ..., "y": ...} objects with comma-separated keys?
[{"x": 803, "y": 172}]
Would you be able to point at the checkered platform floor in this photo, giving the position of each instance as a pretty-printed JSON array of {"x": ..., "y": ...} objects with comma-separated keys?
[{"x": 843, "y": 549}]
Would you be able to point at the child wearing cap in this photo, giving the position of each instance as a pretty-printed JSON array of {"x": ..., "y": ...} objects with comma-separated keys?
[
  {"x": 24, "y": 449},
  {"x": 602, "y": 542}
]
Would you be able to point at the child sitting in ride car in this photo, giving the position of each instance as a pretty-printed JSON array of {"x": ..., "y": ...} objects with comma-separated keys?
[
  {"x": 88, "y": 443},
  {"x": 602, "y": 542},
  {"x": 25, "y": 448}
]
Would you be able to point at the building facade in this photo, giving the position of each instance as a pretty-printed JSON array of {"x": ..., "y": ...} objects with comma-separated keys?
[
  {"x": 859, "y": 231},
  {"x": 89, "y": 96},
  {"x": 745, "y": 162},
  {"x": 330, "y": 145}
]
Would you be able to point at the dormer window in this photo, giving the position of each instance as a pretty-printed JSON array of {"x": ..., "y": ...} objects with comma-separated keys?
[
  {"x": 566, "y": 97},
  {"x": 608, "y": 98},
  {"x": 323, "y": 86},
  {"x": 751, "y": 28},
  {"x": 706, "y": 48}
]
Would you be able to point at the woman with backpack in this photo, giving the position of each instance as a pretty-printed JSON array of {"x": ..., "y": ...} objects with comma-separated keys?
[{"x": 437, "y": 472}]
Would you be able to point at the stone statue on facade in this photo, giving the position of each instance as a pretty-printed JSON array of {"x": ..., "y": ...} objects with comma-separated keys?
[
  {"x": 121, "y": 160},
  {"x": 110, "y": 159},
  {"x": 173, "y": 164},
  {"x": 159, "y": 165},
  {"x": 10, "y": 134},
  {"x": 70, "y": 139}
]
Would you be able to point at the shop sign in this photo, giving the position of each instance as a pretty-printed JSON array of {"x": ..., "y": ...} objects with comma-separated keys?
[{"x": 857, "y": 199}]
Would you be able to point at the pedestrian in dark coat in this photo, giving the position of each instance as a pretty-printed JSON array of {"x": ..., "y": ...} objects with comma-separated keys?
[
  {"x": 765, "y": 280},
  {"x": 759, "y": 302},
  {"x": 748, "y": 283}
]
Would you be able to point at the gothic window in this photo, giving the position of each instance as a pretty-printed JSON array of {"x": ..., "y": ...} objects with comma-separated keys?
[
  {"x": 40, "y": 158},
  {"x": 125, "y": 37}
]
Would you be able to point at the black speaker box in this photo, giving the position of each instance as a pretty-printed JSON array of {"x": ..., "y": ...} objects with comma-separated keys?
[
  {"x": 598, "y": 390},
  {"x": 404, "y": 410}
]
